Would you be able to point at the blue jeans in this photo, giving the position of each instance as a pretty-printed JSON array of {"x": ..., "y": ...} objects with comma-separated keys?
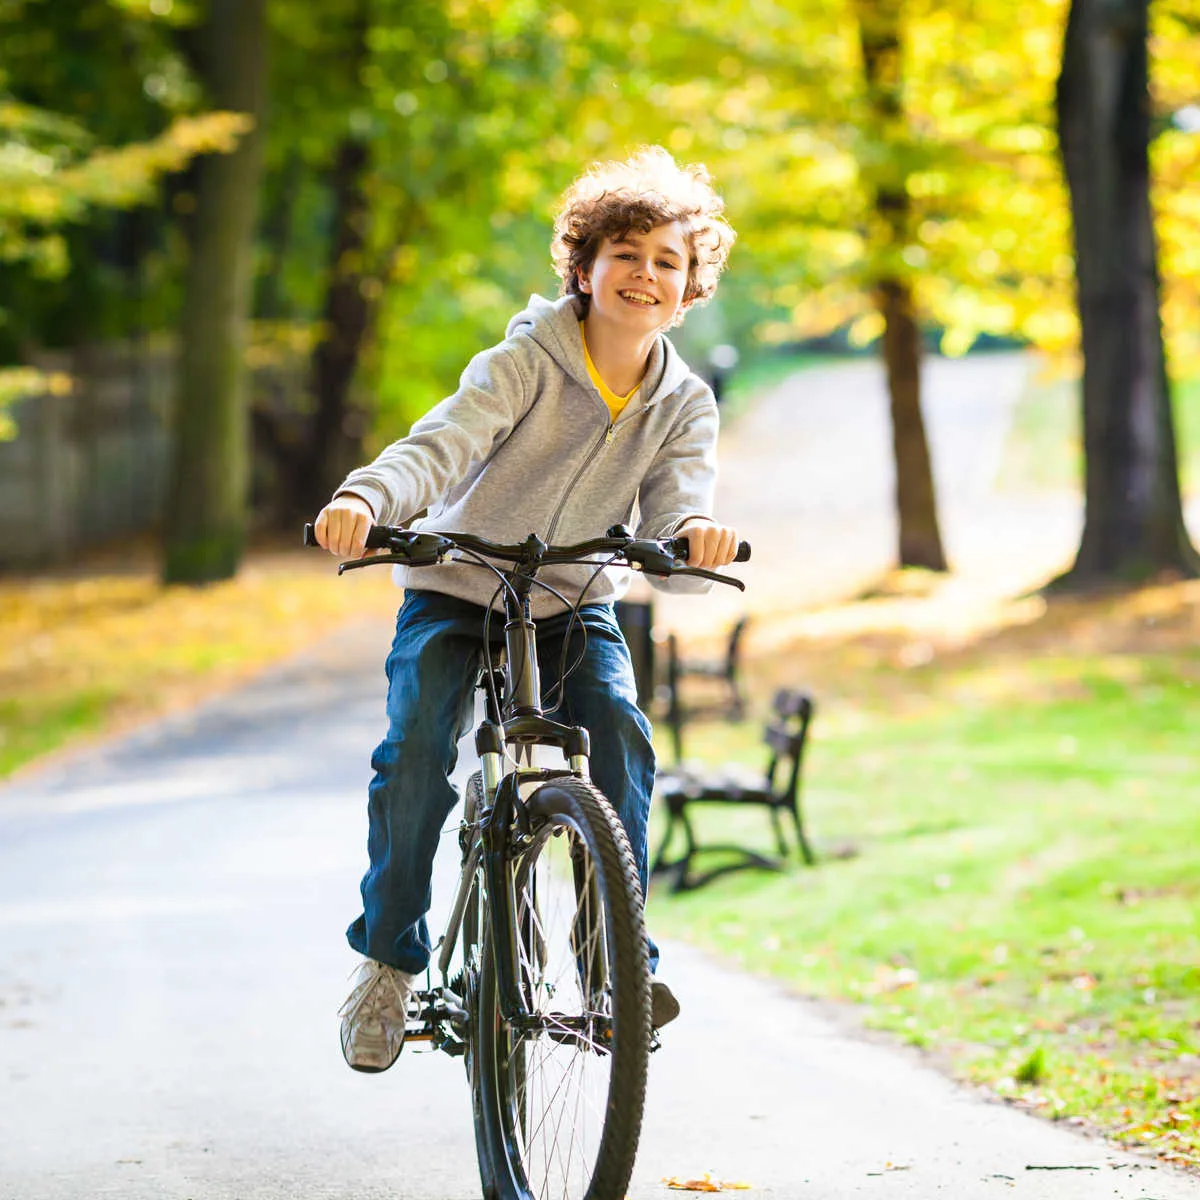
[{"x": 432, "y": 670}]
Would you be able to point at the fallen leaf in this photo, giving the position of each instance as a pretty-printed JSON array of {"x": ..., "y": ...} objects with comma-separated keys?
[{"x": 706, "y": 1183}]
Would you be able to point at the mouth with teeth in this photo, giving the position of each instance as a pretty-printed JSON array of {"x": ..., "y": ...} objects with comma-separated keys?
[{"x": 642, "y": 299}]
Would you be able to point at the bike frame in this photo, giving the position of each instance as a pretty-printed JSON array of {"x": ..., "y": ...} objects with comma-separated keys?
[
  {"x": 515, "y": 718},
  {"x": 503, "y": 824}
]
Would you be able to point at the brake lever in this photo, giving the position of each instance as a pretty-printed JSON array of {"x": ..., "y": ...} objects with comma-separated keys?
[
  {"x": 666, "y": 568},
  {"x": 424, "y": 550},
  {"x": 715, "y": 576},
  {"x": 373, "y": 560}
]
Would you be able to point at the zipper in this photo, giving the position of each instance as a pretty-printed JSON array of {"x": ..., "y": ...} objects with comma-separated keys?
[{"x": 606, "y": 439}]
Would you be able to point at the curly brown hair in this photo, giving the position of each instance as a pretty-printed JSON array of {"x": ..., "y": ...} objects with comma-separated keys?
[{"x": 648, "y": 189}]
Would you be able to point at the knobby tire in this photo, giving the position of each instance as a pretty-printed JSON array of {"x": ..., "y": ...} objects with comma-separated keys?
[{"x": 585, "y": 971}]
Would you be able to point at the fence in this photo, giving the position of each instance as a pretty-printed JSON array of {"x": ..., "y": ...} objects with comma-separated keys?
[{"x": 90, "y": 464}]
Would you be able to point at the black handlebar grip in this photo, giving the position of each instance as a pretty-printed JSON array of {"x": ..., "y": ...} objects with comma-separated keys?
[
  {"x": 377, "y": 536},
  {"x": 743, "y": 552}
]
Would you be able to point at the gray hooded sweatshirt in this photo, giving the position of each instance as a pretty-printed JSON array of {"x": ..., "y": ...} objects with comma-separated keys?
[{"x": 527, "y": 445}]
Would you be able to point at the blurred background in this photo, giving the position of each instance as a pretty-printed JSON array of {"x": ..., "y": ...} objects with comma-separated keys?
[{"x": 245, "y": 243}]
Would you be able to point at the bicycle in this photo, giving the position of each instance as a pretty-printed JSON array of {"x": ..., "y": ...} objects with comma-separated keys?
[{"x": 550, "y": 1002}]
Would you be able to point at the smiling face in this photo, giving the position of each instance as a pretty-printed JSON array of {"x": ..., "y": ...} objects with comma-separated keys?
[{"x": 638, "y": 279}]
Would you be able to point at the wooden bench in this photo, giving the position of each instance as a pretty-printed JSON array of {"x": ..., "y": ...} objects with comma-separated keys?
[
  {"x": 726, "y": 702},
  {"x": 778, "y": 791}
]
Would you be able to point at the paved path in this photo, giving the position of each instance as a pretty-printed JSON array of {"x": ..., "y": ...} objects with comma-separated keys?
[{"x": 171, "y": 960}]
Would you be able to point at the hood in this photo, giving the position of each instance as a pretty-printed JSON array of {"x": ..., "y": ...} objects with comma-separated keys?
[{"x": 554, "y": 326}]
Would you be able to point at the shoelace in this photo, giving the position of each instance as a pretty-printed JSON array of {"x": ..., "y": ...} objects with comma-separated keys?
[{"x": 370, "y": 995}]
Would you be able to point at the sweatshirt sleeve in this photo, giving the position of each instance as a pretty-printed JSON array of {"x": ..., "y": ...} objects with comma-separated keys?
[
  {"x": 681, "y": 483},
  {"x": 682, "y": 479},
  {"x": 446, "y": 444}
]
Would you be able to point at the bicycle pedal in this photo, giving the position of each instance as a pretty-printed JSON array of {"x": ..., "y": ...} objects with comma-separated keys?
[
  {"x": 431, "y": 1037},
  {"x": 441, "y": 1006}
]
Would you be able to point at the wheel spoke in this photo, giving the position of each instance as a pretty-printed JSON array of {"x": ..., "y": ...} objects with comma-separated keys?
[
  {"x": 555, "y": 1069},
  {"x": 566, "y": 1077}
]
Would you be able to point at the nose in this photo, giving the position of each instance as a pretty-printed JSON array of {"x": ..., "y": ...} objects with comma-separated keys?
[{"x": 646, "y": 269}]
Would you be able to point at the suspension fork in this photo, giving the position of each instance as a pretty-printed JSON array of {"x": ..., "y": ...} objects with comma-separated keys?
[{"x": 497, "y": 857}]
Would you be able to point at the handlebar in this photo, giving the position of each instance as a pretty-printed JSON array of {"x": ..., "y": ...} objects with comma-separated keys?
[{"x": 420, "y": 548}]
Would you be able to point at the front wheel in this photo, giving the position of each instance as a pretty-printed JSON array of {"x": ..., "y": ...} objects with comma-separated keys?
[{"x": 561, "y": 1092}]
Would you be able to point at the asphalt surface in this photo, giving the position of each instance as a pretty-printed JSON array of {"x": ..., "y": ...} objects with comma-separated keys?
[
  {"x": 809, "y": 477},
  {"x": 172, "y": 908}
]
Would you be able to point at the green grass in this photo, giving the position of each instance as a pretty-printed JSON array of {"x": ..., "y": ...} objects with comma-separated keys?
[
  {"x": 36, "y": 726},
  {"x": 1022, "y": 892},
  {"x": 1045, "y": 449}
]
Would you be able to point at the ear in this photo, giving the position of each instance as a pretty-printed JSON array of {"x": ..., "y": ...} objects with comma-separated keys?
[{"x": 585, "y": 284}]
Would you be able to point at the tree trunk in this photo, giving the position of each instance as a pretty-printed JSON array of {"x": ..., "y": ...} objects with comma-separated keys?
[
  {"x": 207, "y": 505},
  {"x": 920, "y": 539},
  {"x": 1133, "y": 526}
]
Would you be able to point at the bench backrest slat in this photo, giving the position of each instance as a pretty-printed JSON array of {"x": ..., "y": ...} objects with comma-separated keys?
[{"x": 784, "y": 742}]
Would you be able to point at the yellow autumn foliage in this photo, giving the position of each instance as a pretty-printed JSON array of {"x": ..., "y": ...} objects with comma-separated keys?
[
  {"x": 87, "y": 655},
  {"x": 38, "y": 189}
]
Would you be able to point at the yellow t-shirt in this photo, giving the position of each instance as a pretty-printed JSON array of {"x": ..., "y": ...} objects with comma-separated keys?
[{"x": 616, "y": 404}]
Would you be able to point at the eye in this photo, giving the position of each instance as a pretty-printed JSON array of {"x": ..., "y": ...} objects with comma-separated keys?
[
  {"x": 670, "y": 266},
  {"x": 625, "y": 254}
]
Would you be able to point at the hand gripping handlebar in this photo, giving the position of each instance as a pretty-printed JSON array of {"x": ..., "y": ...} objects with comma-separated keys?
[{"x": 655, "y": 556}]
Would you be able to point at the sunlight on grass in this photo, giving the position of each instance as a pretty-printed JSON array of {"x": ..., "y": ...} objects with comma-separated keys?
[
  {"x": 1004, "y": 793},
  {"x": 1008, "y": 832}
]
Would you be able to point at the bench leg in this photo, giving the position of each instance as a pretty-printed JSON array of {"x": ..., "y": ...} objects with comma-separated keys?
[
  {"x": 777, "y": 825},
  {"x": 680, "y": 867},
  {"x": 660, "y": 858},
  {"x": 683, "y": 866},
  {"x": 805, "y": 848}
]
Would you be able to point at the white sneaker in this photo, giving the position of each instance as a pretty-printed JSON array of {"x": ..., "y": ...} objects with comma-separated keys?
[
  {"x": 374, "y": 1016},
  {"x": 664, "y": 1008}
]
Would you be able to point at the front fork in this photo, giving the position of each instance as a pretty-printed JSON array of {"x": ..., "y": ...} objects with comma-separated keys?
[{"x": 504, "y": 826}]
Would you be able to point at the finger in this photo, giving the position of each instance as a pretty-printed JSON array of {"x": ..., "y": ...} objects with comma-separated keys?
[
  {"x": 728, "y": 547},
  {"x": 356, "y": 534},
  {"x": 333, "y": 531},
  {"x": 362, "y": 526},
  {"x": 342, "y": 539},
  {"x": 320, "y": 527}
]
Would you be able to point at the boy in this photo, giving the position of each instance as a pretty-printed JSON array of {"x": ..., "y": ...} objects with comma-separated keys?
[{"x": 582, "y": 418}]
